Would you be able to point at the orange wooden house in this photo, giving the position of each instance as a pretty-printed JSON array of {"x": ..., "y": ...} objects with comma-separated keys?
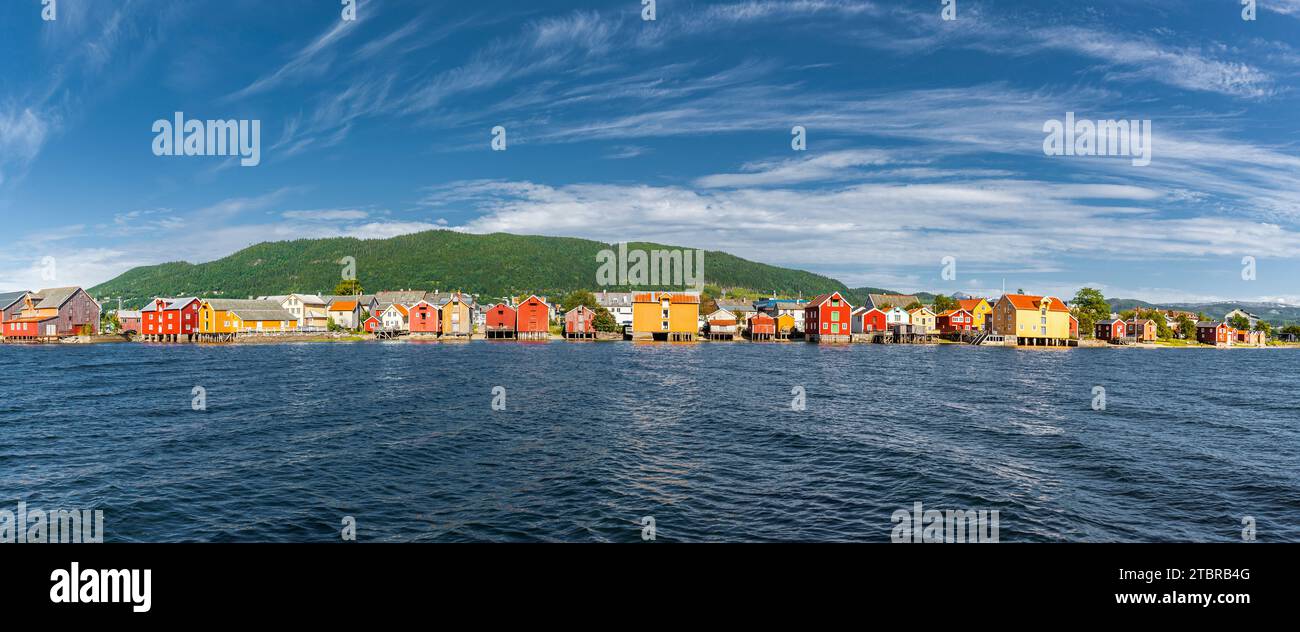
[{"x": 533, "y": 319}]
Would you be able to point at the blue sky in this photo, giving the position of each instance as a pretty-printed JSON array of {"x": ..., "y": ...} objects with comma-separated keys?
[{"x": 924, "y": 136}]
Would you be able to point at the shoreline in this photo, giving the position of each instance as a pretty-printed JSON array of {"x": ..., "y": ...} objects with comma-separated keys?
[{"x": 424, "y": 339}]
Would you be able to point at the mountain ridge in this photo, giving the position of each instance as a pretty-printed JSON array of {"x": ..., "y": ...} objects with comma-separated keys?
[{"x": 494, "y": 265}]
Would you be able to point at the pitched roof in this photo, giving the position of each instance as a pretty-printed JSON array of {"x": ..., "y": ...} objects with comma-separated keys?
[
  {"x": 55, "y": 296},
  {"x": 969, "y": 304},
  {"x": 736, "y": 306},
  {"x": 1029, "y": 301},
  {"x": 822, "y": 298},
  {"x": 673, "y": 297},
  {"x": 343, "y": 306},
  {"x": 782, "y": 303},
  {"x": 409, "y": 297},
  {"x": 230, "y": 304},
  {"x": 897, "y": 300},
  {"x": 442, "y": 298},
  {"x": 170, "y": 303},
  {"x": 9, "y": 298}
]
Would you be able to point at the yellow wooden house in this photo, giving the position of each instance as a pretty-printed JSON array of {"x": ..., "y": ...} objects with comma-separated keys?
[
  {"x": 923, "y": 321},
  {"x": 225, "y": 318},
  {"x": 1033, "y": 320},
  {"x": 785, "y": 326},
  {"x": 979, "y": 309},
  {"x": 666, "y": 315},
  {"x": 457, "y": 317}
]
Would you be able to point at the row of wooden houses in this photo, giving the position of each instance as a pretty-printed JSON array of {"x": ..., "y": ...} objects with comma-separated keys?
[
  {"x": 1013, "y": 319},
  {"x": 674, "y": 316},
  {"x": 48, "y": 314},
  {"x": 1144, "y": 330}
]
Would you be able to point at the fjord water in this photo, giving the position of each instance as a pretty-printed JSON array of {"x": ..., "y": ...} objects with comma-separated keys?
[{"x": 702, "y": 437}]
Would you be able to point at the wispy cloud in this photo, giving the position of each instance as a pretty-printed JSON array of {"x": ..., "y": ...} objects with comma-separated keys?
[
  {"x": 816, "y": 168},
  {"x": 881, "y": 228},
  {"x": 326, "y": 215},
  {"x": 311, "y": 60}
]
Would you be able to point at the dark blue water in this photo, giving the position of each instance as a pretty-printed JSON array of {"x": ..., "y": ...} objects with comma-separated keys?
[{"x": 701, "y": 437}]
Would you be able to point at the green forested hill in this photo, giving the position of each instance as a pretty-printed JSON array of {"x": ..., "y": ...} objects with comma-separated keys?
[{"x": 492, "y": 265}]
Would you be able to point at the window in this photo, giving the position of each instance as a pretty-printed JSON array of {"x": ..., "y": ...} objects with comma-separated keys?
[{"x": 835, "y": 316}]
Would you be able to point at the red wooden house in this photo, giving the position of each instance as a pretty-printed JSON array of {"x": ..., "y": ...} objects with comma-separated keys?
[
  {"x": 1212, "y": 333},
  {"x": 128, "y": 321},
  {"x": 372, "y": 324},
  {"x": 1114, "y": 329},
  {"x": 500, "y": 321},
  {"x": 580, "y": 322},
  {"x": 761, "y": 327},
  {"x": 955, "y": 321},
  {"x": 170, "y": 319},
  {"x": 424, "y": 318},
  {"x": 869, "y": 320},
  {"x": 533, "y": 319},
  {"x": 826, "y": 318}
]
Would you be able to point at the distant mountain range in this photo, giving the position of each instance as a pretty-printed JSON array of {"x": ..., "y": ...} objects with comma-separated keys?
[
  {"x": 1276, "y": 313},
  {"x": 494, "y": 265}
]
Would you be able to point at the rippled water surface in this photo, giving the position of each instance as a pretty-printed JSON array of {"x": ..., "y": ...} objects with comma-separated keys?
[{"x": 701, "y": 437}]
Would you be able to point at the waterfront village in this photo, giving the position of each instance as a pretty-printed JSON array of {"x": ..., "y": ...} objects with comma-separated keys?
[{"x": 70, "y": 314}]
